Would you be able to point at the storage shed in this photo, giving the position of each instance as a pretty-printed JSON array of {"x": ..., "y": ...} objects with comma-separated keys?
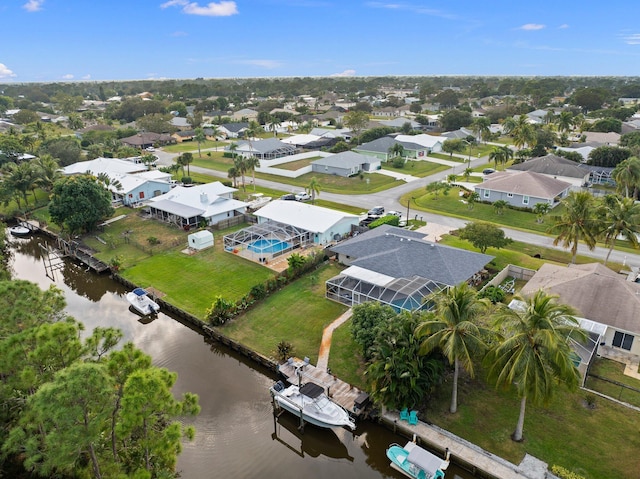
[{"x": 201, "y": 240}]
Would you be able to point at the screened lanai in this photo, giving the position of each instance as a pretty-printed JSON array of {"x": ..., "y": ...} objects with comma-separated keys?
[
  {"x": 357, "y": 285},
  {"x": 265, "y": 241}
]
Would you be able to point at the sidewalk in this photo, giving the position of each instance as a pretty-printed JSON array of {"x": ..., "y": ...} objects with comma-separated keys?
[
  {"x": 396, "y": 175},
  {"x": 325, "y": 345}
]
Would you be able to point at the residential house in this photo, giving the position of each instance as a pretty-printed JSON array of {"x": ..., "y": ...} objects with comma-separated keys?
[
  {"x": 583, "y": 151},
  {"x": 399, "y": 268},
  {"x": 246, "y": 114},
  {"x": 266, "y": 149},
  {"x": 189, "y": 207},
  {"x": 379, "y": 148},
  {"x": 322, "y": 225},
  {"x": 597, "y": 138},
  {"x": 104, "y": 165},
  {"x": 347, "y": 163},
  {"x": 607, "y": 303},
  {"x": 233, "y": 130},
  {"x": 555, "y": 167},
  {"x": 522, "y": 189},
  {"x": 427, "y": 143},
  {"x": 400, "y": 122},
  {"x": 340, "y": 133},
  {"x": 146, "y": 139},
  {"x": 180, "y": 123},
  {"x": 309, "y": 141}
]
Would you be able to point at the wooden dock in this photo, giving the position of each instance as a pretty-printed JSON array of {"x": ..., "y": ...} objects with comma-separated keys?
[{"x": 349, "y": 397}]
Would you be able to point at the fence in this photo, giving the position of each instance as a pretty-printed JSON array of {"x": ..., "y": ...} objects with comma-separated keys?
[
  {"x": 517, "y": 272},
  {"x": 613, "y": 389},
  {"x": 234, "y": 221}
]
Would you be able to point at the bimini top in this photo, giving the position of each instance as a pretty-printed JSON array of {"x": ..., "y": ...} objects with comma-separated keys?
[
  {"x": 311, "y": 390},
  {"x": 426, "y": 461},
  {"x": 139, "y": 292}
]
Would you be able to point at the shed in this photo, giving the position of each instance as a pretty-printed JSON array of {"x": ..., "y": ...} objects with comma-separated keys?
[{"x": 201, "y": 240}]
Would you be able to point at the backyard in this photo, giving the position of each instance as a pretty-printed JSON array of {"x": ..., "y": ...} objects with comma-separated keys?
[{"x": 416, "y": 168}]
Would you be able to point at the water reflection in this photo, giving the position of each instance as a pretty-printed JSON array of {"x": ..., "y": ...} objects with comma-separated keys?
[{"x": 236, "y": 433}]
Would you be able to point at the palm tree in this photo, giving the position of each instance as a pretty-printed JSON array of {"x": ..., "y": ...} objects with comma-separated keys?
[
  {"x": 452, "y": 178},
  {"x": 397, "y": 150},
  {"x": 47, "y": 171},
  {"x": 473, "y": 197},
  {"x": 480, "y": 126},
  {"x": 185, "y": 160},
  {"x": 534, "y": 353},
  {"x": 499, "y": 206},
  {"x": 619, "y": 217},
  {"x": 107, "y": 181},
  {"x": 564, "y": 121},
  {"x": 240, "y": 164},
  {"x": 523, "y": 132},
  {"x": 28, "y": 141},
  {"x": 577, "y": 222},
  {"x": 313, "y": 188},
  {"x": 252, "y": 163},
  {"x": 200, "y": 138},
  {"x": 467, "y": 173},
  {"x": 453, "y": 328},
  {"x": 233, "y": 174},
  {"x": 18, "y": 179},
  {"x": 274, "y": 123},
  {"x": 438, "y": 186},
  {"x": 627, "y": 176},
  {"x": 541, "y": 209},
  {"x": 501, "y": 154}
]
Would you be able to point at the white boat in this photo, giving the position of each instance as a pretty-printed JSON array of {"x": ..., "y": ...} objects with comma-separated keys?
[
  {"x": 19, "y": 230},
  {"x": 417, "y": 463},
  {"x": 315, "y": 406},
  {"x": 142, "y": 303}
]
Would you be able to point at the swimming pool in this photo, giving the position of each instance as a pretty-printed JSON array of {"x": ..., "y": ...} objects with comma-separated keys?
[{"x": 268, "y": 246}]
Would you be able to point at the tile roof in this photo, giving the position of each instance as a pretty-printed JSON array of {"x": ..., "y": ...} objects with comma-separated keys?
[
  {"x": 524, "y": 183},
  {"x": 551, "y": 165}
]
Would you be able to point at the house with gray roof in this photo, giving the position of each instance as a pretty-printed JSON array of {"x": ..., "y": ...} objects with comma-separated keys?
[
  {"x": 400, "y": 122},
  {"x": 522, "y": 189},
  {"x": 607, "y": 303},
  {"x": 399, "y": 268},
  {"x": 147, "y": 138},
  {"x": 347, "y": 163},
  {"x": 379, "y": 148},
  {"x": 267, "y": 149},
  {"x": 555, "y": 167},
  {"x": 233, "y": 130}
]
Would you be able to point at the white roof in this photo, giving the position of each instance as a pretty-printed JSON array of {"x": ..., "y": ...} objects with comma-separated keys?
[
  {"x": 109, "y": 166},
  {"x": 155, "y": 175},
  {"x": 198, "y": 196},
  {"x": 302, "y": 215},
  {"x": 300, "y": 139},
  {"x": 367, "y": 275},
  {"x": 428, "y": 141}
]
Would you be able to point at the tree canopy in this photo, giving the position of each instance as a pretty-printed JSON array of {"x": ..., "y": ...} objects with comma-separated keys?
[{"x": 484, "y": 235}]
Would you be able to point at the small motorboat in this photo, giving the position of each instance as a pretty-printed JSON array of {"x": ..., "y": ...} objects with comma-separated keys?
[
  {"x": 19, "y": 230},
  {"x": 311, "y": 401},
  {"x": 141, "y": 302},
  {"x": 416, "y": 462}
]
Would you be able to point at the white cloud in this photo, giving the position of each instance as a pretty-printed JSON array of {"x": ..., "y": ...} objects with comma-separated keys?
[
  {"x": 223, "y": 8},
  {"x": 412, "y": 8},
  {"x": 5, "y": 72},
  {"x": 564, "y": 25},
  {"x": 531, "y": 26},
  {"x": 632, "y": 39},
  {"x": 269, "y": 64},
  {"x": 346, "y": 73},
  {"x": 33, "y": 5},
  {"x": 179, "y": 34},
  {"x": 68, "y": 76},
  {"x": 87, "y": 77}
]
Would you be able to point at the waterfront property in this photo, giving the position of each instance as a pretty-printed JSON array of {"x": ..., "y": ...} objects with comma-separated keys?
[
  {"x": 399, "y": 268},
  {"x": 608, "y": 305},
  {"x": 286, "y": 225},
  {"x": 188, "y": 207}
]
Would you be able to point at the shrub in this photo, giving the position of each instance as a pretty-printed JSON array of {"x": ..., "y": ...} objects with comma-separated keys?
[
  {"x": 221, "y": 311},
  {"x": 563, "y": 473},
  {"x": 493, "y": 294},
  {"x": 152, "y": 240},
  {"x": 392, "y": 220},
  {"x": 285, "y": 350},
  {"x": 398, "y": 162},
  {"x": 259, "y": 291}
]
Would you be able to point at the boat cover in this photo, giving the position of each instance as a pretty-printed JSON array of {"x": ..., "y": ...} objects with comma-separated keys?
[
  {"x": 311, "y": 390},
  {"x": 424, "y": 460},
  {"x": 139, "y": 292}
]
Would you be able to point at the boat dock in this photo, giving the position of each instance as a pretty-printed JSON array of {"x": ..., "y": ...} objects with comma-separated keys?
[
  {"x": 349, "y": 397},
  {"x": 466, "y": 454}
]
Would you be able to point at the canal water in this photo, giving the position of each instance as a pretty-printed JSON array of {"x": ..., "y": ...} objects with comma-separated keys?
[{"x": 236, "y": 433}]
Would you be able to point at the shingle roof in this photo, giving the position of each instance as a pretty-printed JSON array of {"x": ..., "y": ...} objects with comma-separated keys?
[
  {"x": 524, "y": 183},
  {"x": 379, "y": 145},
  {"x": 551, "y": 165},
  {"x": 405, "y": 254},
  {"x": 346, "y": 159},
  {"x": 594, "y": 290}
]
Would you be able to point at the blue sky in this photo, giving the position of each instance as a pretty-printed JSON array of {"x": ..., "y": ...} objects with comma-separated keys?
[{"x": 58, "y": 40}]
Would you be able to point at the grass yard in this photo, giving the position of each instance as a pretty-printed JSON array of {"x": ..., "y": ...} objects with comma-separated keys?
[
  {"x": 448, "y": 157},
  {"x": 369, "y": 183},
  {"x": 297, "y": 313},
  {"x": 596, "y": 443},
  {"x": 615, "y": 372},
  {"x": 192, "y": 146},
  {"x": 416, "y": 168},
  {"x": 296, "y": 165},
  {"x": 342, "y": 360}
]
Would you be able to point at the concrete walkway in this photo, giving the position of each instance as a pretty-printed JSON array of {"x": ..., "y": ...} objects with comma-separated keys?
[
  {"x": 397, "y": 176},
  {"x": 325, "y": 345}
]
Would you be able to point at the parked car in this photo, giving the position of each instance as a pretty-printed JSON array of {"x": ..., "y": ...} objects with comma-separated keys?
[
  {"x": 302, "y": 196},
  {"x": 288, "y": 197},
  {"x": 376, "y": 211},
  {"x": 150, "y": 148},
  {"x": 394, "y": 213},
  {"x": 488, "y": 171}
]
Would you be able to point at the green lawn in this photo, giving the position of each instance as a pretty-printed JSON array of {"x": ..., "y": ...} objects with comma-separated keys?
[
  {"x": 614, "y": 371},
  {"x": 447, "y": 156},
  {"x": 298, "y": 314},
  {"x": 416, "y": 168},
  {"x": 192, "y": 146},
  {"x": 296, "y": 165},
  {"x": 597, "y": 443},
  {"x": 342, "y": 360}
]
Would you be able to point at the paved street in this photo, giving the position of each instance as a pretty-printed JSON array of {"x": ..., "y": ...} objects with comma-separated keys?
[{"x": 390, "y": 200}]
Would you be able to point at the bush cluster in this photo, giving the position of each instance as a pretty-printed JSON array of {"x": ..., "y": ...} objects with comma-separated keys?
[{"x": 563, "y": 473}]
